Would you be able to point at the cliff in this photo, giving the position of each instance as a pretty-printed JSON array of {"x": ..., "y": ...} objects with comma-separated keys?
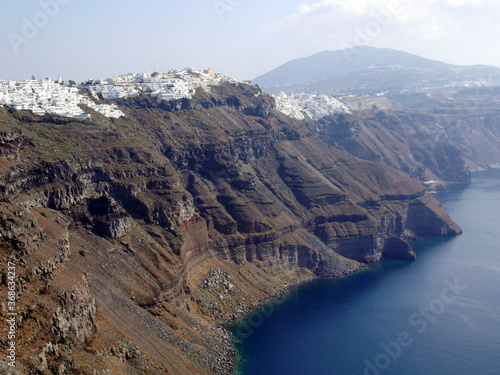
[
  {"x": 412, "y": 143},
  {"x": 135, "y": 238},
  {"x": 433, "y": 135}
]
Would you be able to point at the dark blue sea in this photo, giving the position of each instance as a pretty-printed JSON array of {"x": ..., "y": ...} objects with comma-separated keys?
[{"x": 438, "y": 315}]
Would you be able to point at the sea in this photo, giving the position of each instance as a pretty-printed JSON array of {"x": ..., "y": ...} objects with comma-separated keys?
[{"x": 437, "y": 315}]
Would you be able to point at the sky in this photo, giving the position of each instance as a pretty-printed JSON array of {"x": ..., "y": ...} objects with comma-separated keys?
[{"x": 81, "y": 40}]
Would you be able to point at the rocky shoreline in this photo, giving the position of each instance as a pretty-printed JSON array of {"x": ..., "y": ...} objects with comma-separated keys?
[
  {"x": 224, "y": 354},
  {"x": 225, "y": 348}
]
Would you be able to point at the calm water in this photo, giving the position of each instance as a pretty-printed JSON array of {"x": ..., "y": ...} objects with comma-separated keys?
[{"x": 437, "y": 315}]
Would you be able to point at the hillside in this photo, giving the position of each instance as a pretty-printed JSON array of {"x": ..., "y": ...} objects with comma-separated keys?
[
  {"x": 136, "y": 238},
  {"x": 368, "y": 71},
  {"x": 438, "y": 134}
]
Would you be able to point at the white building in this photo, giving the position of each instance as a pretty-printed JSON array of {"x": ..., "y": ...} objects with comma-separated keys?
[
  {"x": 45, "y": 96},
  {"x": 300, "y": 106},
  {"x": 174, "y": 85}
]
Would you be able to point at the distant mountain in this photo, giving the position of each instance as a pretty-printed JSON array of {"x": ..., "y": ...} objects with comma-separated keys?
[{"x": 369, "y": 70}]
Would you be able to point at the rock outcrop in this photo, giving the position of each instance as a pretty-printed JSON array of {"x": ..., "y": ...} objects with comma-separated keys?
[
  {"x": 74, "y": 321},
  {"x": 12, "y": 142}
]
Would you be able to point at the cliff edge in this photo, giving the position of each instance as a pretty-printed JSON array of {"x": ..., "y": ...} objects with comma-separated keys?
[{"x": 135, "y": 238}]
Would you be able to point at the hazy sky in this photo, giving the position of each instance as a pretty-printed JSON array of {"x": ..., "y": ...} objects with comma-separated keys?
[{"x": 82, "y": 39}]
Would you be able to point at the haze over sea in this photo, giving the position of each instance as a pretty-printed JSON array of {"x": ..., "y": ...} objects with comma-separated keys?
[{"x": 437, "y": 315}]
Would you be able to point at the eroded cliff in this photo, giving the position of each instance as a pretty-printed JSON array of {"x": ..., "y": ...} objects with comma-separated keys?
[
  {"x": 435, "y": 135},
  {"x": 135, "y": 238}
]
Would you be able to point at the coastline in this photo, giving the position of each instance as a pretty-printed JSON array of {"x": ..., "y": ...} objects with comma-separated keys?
[
  {"x": 223, "y": 356},
  {"x": 228, "y": 336},
  {"x": 287, "y": 288},
  {"x": 442, "y": 262},
  {"x": 225, "y": 327}
]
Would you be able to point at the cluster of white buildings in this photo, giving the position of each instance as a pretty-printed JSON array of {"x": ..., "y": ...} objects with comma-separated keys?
[
  {"x": 46, "y": 96},
  {"x": 176, "y": 84},
  {"x": 300, "y": 106}
]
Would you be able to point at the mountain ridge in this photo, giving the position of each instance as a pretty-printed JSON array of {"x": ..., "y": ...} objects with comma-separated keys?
[{"x": 335, "y": 63}]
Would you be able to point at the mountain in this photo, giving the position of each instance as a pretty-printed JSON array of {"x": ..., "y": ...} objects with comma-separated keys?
[
  {"x": 135, "y": 238},
  {"x": 369, "y": 70}
]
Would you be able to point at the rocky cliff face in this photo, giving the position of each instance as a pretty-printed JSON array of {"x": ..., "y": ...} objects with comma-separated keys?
[
  {"x": 135, "y": 238},
  {"x": 436, "y": 135},
  {"x": 414, "y": 144}
]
